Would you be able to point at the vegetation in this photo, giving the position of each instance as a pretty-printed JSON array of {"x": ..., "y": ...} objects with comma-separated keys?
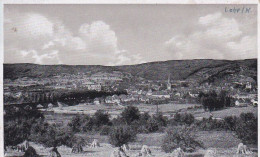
[
  {"x": 209, "y": 124},
  {"x": 18, "y": 123},
  {"x": 130, "y": 114},
  {"x": 181, "y": 69},
  {"x": 213, "y": 101},
  {"x": 121, "y": 135},
  {"x": 180, "y": 136},
  {"x": 246, "y": 128},
  {"x": 182, "y": 119},
  {"x": 30, "y": 152},
  {"x": 52, "y": 135},
  {"x": 28, "y": 124}
]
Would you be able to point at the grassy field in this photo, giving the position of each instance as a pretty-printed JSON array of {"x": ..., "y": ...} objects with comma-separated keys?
[
  {"x": 231, "y": 111},
  {"x": 66, "y": 113},
  {"x": 224, "y": 142}
]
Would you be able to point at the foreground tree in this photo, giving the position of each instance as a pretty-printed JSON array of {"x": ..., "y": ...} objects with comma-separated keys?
[
  {"x": 246, "y": 128},
  {"x": 180, "y": 137},
  {"x": 121, "y": 135},
  {"x": 52, "y": 136},
  {"x": 18, "y": 123}
]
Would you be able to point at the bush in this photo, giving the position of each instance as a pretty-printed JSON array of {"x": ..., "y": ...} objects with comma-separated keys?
[
  {"x": 76, "y": 123},
  {"x": 161, "y": 120},
  {"x": 105, "y": 130},
  {"x": 52, "y": 135},
  {"x": 81, "y": 123},
  {"x": 230, "y": 122},
  {"x": 30, "y": 152},
  {"x": 100, "y": 118},
  {"x": 130, "y": 114},
  {"x": 246, "y": 128},
  {"x": 182, "y": 119},
  {"x": 121, "y": 135},
  {"x": 180, "y": 136},
  {"x": 209, "y": 124},
  {"x": 152, "y": 125}
]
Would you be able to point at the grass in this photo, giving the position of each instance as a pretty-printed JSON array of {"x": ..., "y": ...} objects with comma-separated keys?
[
  {"x": 62, "y": 116},
  {"x": 224, "y": 142},
  {"x": 218, "y": 139},
  {"x": 231, "y": 111}
]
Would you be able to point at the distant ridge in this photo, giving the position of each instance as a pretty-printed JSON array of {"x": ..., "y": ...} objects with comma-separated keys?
[{"x": 177, "y": 69}]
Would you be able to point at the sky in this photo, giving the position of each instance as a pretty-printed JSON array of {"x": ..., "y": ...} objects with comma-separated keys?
[{"x": 89, "y": 34}]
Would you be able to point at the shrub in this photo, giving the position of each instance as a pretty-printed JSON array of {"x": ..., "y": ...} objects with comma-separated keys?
[
  {"x": 120, "y": 135},
  {"x": 147, "y": 124},
  {"x": 75, "y": 123},
  {"x": 52, "y": 135},
  {"x": 117, "y": 121},
  {"x": 100, "y": 118},
  {"x": 230, "y": 122},
  {"x": 160, "y": 119},
  {"x": 209, "y": 124},
  {"x": 152, "y": 125},
  {"x": 30, "y": 152},
  {"x": 130, "y": 114},
  {"x": 81, "y": 123},
  {"x": 105, "y": 130},
  {"x": 181, "y": 119},
  {"x": 246, "y": 128},
  {"x": 180, "y": 136}
]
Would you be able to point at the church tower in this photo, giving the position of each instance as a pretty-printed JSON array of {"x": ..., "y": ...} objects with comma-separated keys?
[{"x": 169, "y": 85}]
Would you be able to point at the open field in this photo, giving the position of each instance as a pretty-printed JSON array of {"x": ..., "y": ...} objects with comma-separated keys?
[
  {"x": 224, "y": 142},
  {"x": 231, "y": 111},
  {"x": 66, "y": 113}
]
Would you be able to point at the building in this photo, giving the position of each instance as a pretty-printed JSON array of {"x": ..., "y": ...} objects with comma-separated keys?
[
  {"x": 161, "y": 94},
  {"x": 96, "y": 101},
  {"x": 248, "y": 85},
  {"x": 100, "y": 76},
  {"x": 96, "y": 87}
]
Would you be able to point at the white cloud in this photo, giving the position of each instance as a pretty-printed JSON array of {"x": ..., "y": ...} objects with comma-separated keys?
[
  {"x": 34, "y": 26},
  {"x": 216, "y": 39},
  {"x": 209, "y": 19},
  {"x": 47, "y": 41},
  {"x": 245, "y": 48},
  {"x": 46, "y": 46},
  {"x": 99, "y": 37}
]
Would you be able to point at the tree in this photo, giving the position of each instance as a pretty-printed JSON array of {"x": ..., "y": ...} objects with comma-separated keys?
[
  {"x": 246, "y": 128},
  {"x": 121, "y": 135},
  {"x": 100, "y": 118},
  {"x": 18, "y": 123},
  {"x": 180, "y": 136},
  {"x": 76, "y": 123},
  {"x": 185, "y": 118},
  {"x": 52, "y": 136},
  {"x": 130, "y": 114},
  {"x": 81, "y": 123},
  {"x": 212, "y": 101}
]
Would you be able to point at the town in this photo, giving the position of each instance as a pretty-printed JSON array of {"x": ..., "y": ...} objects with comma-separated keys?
[{"x": 133, "y": 89}]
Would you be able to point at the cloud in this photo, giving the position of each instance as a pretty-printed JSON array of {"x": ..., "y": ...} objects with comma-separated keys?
[
  {"x": 44, "y": 40},
  {"x": 245, "y": 48},
  {"x": 218, "y": 38}
]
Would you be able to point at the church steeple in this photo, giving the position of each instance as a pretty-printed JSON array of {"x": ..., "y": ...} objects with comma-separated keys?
[{"x": 169, "y": 85}]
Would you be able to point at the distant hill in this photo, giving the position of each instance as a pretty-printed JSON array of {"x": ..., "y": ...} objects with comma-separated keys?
[{"x": 201, "y": 70}]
